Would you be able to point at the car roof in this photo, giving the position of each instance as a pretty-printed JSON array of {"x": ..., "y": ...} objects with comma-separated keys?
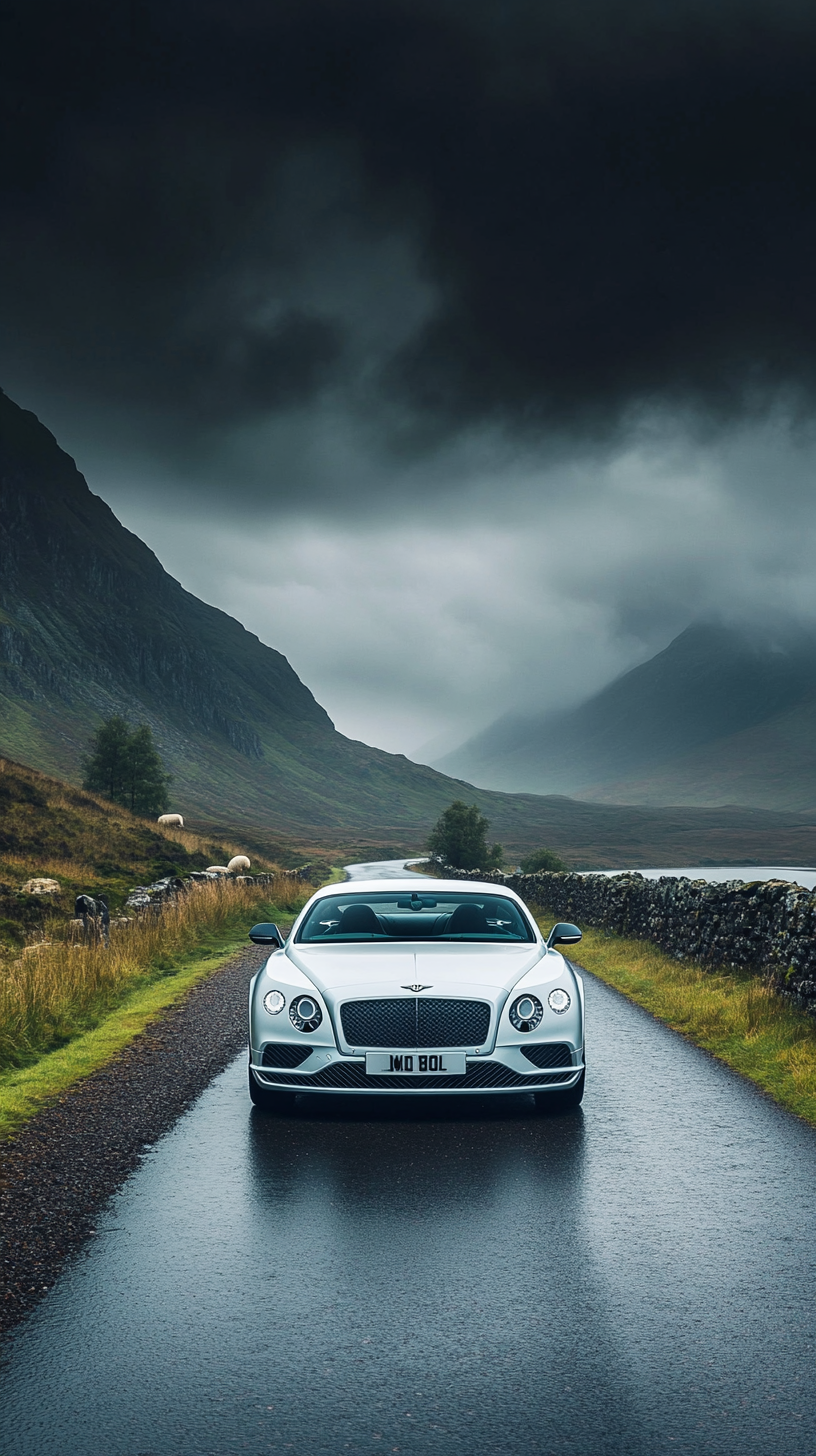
[{"x": 368, "y": 887}]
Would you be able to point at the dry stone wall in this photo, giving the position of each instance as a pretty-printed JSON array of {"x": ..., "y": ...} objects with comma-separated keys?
[{"x": 764, "y": 926}]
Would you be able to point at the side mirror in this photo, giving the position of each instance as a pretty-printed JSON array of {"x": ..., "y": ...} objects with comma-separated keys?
[
  {"x": 563, "y": 934},
  {"x": 266, "y": 935}
]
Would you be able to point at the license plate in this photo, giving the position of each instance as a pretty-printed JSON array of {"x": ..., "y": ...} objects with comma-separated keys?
[{"x": 416, "y": 1064}]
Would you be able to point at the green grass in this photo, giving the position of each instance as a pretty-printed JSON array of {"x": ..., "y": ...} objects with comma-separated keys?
[
  {"x": 24, "y": 1091},
  {"x": 735, "y": 1016}
]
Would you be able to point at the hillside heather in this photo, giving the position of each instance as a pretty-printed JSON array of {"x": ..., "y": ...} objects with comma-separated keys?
[
  {"x": 767, "y": 927},
  {"x": 51, "y": 829}
]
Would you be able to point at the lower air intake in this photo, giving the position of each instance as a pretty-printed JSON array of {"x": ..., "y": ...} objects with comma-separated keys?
[
  {"x": 284, "y": 1054},
  {"x": 548, "y": 1054},
  {"x": 479, "y": 1074}
]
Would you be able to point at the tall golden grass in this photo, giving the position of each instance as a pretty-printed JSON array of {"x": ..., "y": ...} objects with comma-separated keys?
[
  {"x": 54, "y": 867},
  {"x": 203, "y": 844},
  {"x": 56, "y": 989}
]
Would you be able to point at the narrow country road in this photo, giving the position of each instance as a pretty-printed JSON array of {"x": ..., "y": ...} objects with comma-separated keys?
[
  {"x": 384, "y": 869},
  {"x": 633, "y": 1277}
]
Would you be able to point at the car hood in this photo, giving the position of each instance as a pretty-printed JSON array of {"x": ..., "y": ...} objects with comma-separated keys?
[{"x": 454, "y": 969}]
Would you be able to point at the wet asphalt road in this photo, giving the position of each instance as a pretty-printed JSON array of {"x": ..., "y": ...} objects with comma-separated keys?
[
  {"x": 633, "y": 1277},
  {"x": 384, "y": 869}
]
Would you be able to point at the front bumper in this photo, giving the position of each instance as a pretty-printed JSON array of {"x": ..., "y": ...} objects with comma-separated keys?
[{"x": 484, "y": 1076}]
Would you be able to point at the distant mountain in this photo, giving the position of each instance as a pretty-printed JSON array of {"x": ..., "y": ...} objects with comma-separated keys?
[{"x": 722, "y": 715}]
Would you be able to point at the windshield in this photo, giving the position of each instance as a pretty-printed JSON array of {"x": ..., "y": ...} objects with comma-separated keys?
[{"x": 413, "y": 915}]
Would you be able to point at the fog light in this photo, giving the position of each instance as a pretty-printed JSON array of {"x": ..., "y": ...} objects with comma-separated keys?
[
  {"x": 526, "y": 1013},
  {"x": 559, "y": 1001},
  {"x": 305, "y": 1014},
  {"x": 274, "y": 1001}
]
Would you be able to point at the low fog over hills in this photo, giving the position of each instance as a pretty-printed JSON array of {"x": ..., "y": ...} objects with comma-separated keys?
[{"x": 722, "y": 715}]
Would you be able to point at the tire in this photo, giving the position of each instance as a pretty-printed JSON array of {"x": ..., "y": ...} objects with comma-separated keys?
[
  {"x": 267, "y": 1098},
  {"x": 562, "y": 1101}
]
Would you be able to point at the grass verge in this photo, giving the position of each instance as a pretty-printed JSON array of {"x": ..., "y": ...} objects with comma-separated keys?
[
  {"x": 65, "y": 1012},
  {"x": 58, "y": 988},
  {"x": 24, "y": 1091},
  {"x": 735, "y": 1016}
]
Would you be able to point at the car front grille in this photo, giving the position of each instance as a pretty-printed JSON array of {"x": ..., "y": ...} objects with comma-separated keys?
[
  {"x": 549, "y": 1054},
  {"x": 479, "y": 1074},
  {"x": 414, "y": 1021},
  {"x": 284, "y": 1054}
]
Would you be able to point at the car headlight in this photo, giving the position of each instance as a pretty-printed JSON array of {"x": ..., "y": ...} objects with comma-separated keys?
[
  {"x": 559, "y": 1001},
  {"x": 526, "y": 1013},
  {"x": 274, "y": 1002},
  {"x": 305, "y": 1014}
]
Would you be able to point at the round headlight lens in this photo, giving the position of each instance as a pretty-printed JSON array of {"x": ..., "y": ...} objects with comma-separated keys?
[
  {"x": 305, "y": 1014},
  {"x": 559, "y": 1001},
  {"x": 526, "y": 1013},
  {"x": 274, "y": 1002}
]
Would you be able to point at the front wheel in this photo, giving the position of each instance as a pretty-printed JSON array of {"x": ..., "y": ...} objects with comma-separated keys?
[
  {"x": 267, "y": 1097},
  {"x": 561, "y": 1101}
]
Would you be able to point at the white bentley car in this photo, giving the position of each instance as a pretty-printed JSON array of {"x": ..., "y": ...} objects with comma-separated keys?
[{"x": 391, "y": 987}]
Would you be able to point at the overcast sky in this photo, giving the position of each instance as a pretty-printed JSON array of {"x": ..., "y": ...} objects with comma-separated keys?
[{"x": 464, "y": 352}]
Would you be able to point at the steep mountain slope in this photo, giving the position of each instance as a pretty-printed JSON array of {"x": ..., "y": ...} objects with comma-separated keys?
[
  {"x": 771, "y": 765},
  {"x": 723, "y": 715},
  {"x": 90, "y": 624}
]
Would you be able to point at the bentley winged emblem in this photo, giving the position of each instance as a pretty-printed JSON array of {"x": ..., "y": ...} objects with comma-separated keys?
[{"x": 415, "y": 988}]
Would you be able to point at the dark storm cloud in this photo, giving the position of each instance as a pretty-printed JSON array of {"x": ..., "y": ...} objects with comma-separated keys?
[{"x": 608, "y": 203}]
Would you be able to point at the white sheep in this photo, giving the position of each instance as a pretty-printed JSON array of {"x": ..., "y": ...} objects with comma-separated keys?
[
  {"x": 171, "y": 821},
  {"x": 216, "y": 870},
  {"x": 237, "y": 863}
]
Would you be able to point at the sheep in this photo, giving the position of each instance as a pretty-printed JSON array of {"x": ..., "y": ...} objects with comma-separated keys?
[
  {"x": 216, "y": 870},
  {"x": 95, "y": 918},
  {"x": 237, "y": 863},
  {"x": 171, "y": 821}
]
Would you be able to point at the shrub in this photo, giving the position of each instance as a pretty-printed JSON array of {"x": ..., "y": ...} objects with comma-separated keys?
[{"x": 542, "y": 859}]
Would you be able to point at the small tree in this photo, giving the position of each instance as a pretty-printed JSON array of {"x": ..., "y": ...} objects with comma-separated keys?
[
  {"x": 146, "y": 780},
  {"x": 106, "y": 768},
  {"x": 125, "y": 766},
  {"x": 459, "y": 839},
  {"x": 542, "y": 859}
]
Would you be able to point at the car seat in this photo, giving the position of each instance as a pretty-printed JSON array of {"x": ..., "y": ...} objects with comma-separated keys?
[
  {"x": 468, "y": 920},
  {"x": 359, "y": 920}
]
